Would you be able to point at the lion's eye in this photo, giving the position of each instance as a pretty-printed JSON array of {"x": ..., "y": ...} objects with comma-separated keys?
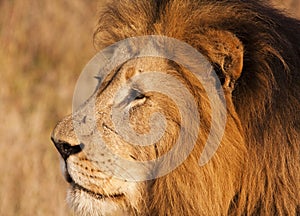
[{"x": 136, "y": 95}]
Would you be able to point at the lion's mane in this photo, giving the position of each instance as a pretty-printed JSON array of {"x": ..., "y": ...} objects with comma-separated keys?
[{"x": 266, "y": 98}]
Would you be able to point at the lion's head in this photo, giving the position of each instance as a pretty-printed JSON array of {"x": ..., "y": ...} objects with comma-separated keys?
[{"x": 255, "y": 59}]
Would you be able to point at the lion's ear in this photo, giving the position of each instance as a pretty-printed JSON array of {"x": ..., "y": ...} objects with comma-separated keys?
[{"x": 225, "y": 51}]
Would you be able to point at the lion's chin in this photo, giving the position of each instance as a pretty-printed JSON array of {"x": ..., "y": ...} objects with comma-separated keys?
[{"x": 85, "y": 202}]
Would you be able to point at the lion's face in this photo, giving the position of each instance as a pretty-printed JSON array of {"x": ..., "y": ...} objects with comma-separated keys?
[
  {"x": 100, "y": 183},
  {"x": 95, "y": 187},
  {"x": 145, "y": 128}
]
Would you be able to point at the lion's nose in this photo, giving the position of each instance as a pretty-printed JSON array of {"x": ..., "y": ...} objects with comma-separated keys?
[{"x": 65, "y": 149}]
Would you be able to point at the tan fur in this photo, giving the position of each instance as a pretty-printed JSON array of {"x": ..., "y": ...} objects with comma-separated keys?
[{"x": 256, "y": 170}]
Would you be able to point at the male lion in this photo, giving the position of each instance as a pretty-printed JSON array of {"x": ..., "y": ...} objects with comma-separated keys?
[{"x": 255, "y": 51}]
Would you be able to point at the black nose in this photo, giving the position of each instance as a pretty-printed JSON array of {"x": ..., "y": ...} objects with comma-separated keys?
[{"x": 65, "y": 149}]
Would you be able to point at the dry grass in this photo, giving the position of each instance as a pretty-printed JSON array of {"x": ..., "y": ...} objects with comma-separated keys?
[{"x": 43, "y": 47}]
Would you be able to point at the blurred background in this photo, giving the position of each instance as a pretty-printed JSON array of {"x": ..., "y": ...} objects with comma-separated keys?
[{"x": 44, "y": 45}]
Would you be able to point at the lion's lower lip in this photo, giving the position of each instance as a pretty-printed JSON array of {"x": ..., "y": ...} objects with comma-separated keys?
[
  {"x": 95, "y": 195},
  {"x": 91, "y": 193}
]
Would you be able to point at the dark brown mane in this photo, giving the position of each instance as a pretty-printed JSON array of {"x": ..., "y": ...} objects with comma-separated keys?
[{"x": 266, "y": 96}]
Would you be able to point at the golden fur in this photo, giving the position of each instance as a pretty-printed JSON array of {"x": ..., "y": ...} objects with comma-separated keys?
[{"x": 255, "y": 50}]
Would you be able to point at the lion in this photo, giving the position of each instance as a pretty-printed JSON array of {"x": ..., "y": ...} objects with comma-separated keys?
[{"x": 254, "y": 50}]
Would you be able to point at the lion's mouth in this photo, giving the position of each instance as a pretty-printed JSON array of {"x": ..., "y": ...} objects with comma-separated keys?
[{"x": 98, "y": 196}]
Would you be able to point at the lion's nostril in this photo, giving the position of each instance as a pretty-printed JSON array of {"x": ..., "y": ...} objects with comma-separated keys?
[{"x": 65, "y": 149}]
